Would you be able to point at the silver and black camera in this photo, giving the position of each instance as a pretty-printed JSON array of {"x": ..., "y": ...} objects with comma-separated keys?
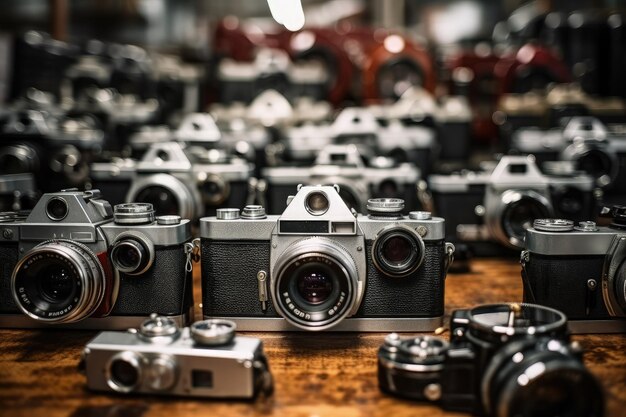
[
  {"x": 595, "y": 148},
  {"x": 57, "y": 148},
  {"x": 387, "y": 137},
  {"x": 177, "y": 180},
  {"x": 491, "y": 210},
  {"x": 360, "y": 177},
  {"x": 271, "y": 69},
  {"x": 322, "y": 266},
  {"x": 502, "y": 360},
  {"x": 579, "y": 269},
  {"x": 76, "y": 262},
  {"x": 205, "y": 360}
]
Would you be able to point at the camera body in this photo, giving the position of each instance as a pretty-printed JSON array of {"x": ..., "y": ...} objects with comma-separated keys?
[
  {"x": 343, "y": 165},
  {"x": 205, "y": 360},
  {"x": 271, "y": 68},
  {"x": 449, "y": 116},
  {"x": 320, "y": 266},
  {"x": 552, "y": 107},
  {"x": 359, "y": 126},
  {"x": 72, "y": 262},
  {"x": 579, "y": 270},
  {"x": 489, "y": 211},
  {"x": 594, "y": 148},
  {"x": 185, "y": 181},
  {"x": 502, "y": 360},
  {"x": 56, "y": 148}
]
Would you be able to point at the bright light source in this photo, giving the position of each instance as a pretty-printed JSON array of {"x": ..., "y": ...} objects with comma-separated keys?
[{"x": 288, "y": 13}]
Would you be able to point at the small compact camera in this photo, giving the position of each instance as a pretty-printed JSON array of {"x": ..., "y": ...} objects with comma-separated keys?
[
  {"x": 580, "y": 270},
  {"x": 74, "y": 261},
  {"x": 55, "y": 147},
  {"x": 206, "y": 360},
  {"x": 177, "y": 180},
  {"x": 593, "y": 147},
  {"x": 344, "y": 165},
  {"x": 490, "y": 211},
  {"x": 321, "y": 266},
  {"x": 502, "y": 360}
]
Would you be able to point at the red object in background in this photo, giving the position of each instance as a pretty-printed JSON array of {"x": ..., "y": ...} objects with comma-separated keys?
[
  {"x": 374, "y": 55},
  {"x": 485, "y": 77}
]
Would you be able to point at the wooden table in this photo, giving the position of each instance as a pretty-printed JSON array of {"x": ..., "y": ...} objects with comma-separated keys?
[{"x": 315, "y": 375}]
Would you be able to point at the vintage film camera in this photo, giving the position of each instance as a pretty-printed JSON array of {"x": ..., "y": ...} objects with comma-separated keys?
[
  {"x": 201, "y": 130},
  {"x": 18, "y": 192},
  {"x": 579, "y": 270},
  {"x": 74, "y": 262},
  {"x": 502, "y": 360},
  {"x": 358, "y": 181},
  {"x": 205, "y": 360},
  {"x": 185, "y": 181},
  {"x": 57, "y": 149},
  {"x": 271, "y": 68},
  {"x": 321, "y": 266},
  {"x": 595, "y": 148},
  {"x": 552, "y": 107},
  {"x": 490, "y": 211},
  {"x": 359, "y": 126},
  {"x": 449, "y": 116}
]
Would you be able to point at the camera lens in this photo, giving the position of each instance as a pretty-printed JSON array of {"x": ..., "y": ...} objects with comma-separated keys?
[
  {"x": 56, "y": 208},
  {"x": 397, "y": 251},
  {"x": 596, "y": 163},
  {"x": 317, "y": 203},
  {"x": 519, "y": 215},
  {"x": 315, "y": 284},
  {"x": 123, "y": 371},
  {"x": 58, "y": 282},
  {"x": 314, "y": 287},
  {"x": 132, "y": 253},
  {"x": 537, "y": 381},
  {"x": 163, "y": 200}
]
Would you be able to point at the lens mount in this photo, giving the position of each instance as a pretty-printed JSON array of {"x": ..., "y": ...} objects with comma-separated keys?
[
  {"x": 132, "y": 253},
  {"x": 513, "y": 213},
  {"x": 398, "y": 251},
  {"x": 58, "y": 282},
  {"x": 315, "y": 284},
  {"x": 124, "y": 371},
  {"x": 168, "y": 195}
]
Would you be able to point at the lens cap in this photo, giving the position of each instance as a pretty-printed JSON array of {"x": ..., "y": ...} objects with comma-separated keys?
[
  {"x": 215, "y": 332},
  {"x": 133, "y": 213}
]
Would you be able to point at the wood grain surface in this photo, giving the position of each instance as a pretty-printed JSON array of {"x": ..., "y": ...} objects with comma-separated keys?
[{"x": 315, "y": 375}]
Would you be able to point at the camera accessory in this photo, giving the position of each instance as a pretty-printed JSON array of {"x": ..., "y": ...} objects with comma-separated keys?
[
  {"x": 206, "y": 359},
  {"x": 512, "y": 359}
]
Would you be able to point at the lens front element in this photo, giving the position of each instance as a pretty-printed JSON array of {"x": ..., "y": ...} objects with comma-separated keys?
[{"x": 398, "y": 251}]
